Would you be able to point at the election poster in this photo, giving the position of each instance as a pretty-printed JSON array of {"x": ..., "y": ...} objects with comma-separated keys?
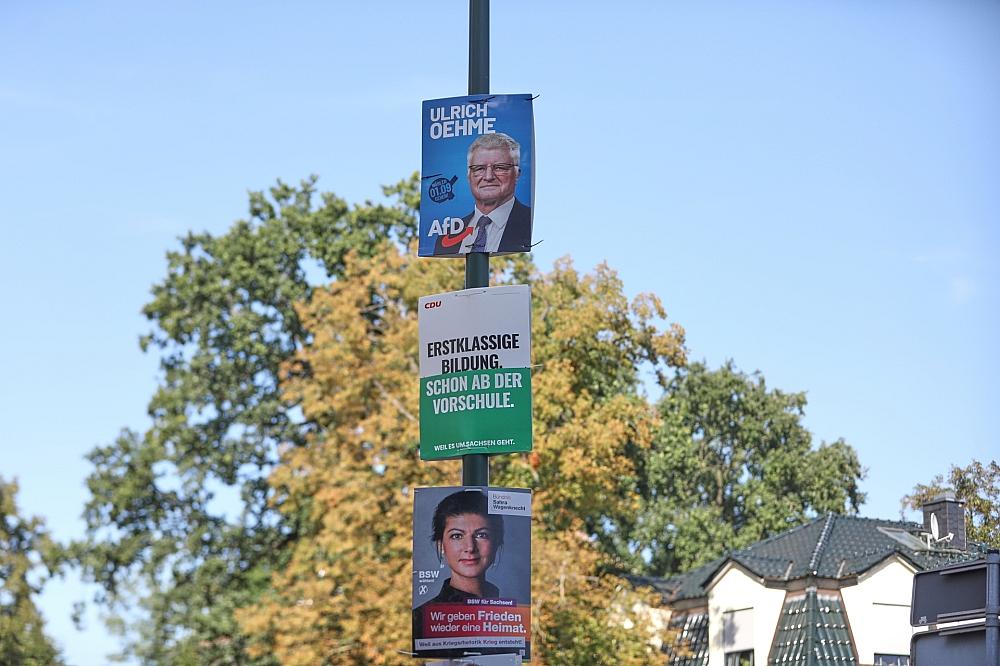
[
  {"x": 471, "y": 571},
  {"x": 475, "y": 375},
  {"x": 478, "y": 175}
]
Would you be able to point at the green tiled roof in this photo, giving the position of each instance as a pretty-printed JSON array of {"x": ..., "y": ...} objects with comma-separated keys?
[
  {"x": 690, "y": 646},
  {"x": 833, "y": 546},
  {"x": 812, "y": 631},
  {"x": 686, "y": 586}
]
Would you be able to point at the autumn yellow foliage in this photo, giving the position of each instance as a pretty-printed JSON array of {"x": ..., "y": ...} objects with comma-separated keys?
[{"x": 342, "y": 593}]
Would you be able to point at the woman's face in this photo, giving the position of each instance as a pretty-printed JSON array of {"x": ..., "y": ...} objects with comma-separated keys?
[{"x": 468, "y": 545}]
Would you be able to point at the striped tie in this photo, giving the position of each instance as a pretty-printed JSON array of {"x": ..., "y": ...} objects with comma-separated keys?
[{"x": 479, "y": 245}]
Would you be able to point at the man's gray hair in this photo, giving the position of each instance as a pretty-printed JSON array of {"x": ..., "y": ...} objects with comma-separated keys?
[{"x": 496, "y": 140}]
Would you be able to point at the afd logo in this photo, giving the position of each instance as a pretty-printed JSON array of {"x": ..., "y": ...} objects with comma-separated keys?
[
  {"x": 430, "y": 305},
  {"x": 452, "y": 230}
]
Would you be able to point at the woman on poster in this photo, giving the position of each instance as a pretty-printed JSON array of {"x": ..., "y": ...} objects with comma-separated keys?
[{"x": 468, "y": 539}]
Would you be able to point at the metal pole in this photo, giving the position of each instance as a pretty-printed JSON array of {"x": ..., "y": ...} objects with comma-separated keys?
[
  {"x": 476, "y": 468},
  {"x": 992, "y": 607}
]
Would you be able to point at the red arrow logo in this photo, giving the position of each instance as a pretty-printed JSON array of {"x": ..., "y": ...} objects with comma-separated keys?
[{"x": 448, "y": 241}]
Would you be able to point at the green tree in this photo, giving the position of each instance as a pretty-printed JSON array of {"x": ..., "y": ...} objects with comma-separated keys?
[
  {"x": 26, "y": 558},
  {"x": 976, "y": 483},
  {"x": 732, "y": 464},
  {"x": 178, "y": 521},
  {"x": 235, "y": 527}
]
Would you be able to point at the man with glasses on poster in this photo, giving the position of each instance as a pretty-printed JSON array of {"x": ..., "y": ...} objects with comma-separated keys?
[{"x": 499, "y": 223}]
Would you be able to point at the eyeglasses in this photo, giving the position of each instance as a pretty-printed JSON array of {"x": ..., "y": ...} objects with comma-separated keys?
[{"x": 501, "y": 169}]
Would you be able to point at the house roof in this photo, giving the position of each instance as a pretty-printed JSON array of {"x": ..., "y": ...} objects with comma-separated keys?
[
  {"x": 833, "y": 547},
  {"x": 812, "y": 631},
  {"x": 690, "y": 585},
  {"x": 690, "y": 644}
]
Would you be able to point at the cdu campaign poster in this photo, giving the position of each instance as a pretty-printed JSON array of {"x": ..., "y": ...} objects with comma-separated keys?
[
  {"x": 477, "y": 175},
  {"x": 475, "y": 374},
  {"x": 471, "y": 571}
]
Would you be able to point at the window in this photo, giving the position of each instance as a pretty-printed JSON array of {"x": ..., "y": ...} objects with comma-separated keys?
[
  {"x": 892, "y": 660},
  {"x": 737, "y": 631},
  {"x": 744, "y": 658}
]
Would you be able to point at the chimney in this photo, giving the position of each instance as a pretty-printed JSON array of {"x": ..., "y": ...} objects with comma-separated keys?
[{"x": 950, "y": 514}]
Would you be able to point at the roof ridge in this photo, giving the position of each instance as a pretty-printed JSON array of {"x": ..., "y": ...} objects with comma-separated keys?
[
  {"x": 821, "y": 542},
  {"x": 812, "y": 605},
  {"x": 870, "y": 519}
]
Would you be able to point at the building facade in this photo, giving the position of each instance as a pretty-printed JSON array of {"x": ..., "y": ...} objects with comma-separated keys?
[{"x": 835, "y": 592}]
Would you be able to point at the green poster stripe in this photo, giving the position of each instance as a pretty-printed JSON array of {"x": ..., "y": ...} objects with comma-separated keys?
[{"x": 477, "y": 411}]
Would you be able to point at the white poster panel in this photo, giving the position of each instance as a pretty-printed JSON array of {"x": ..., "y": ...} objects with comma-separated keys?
[{"x": 475, "y": 379}]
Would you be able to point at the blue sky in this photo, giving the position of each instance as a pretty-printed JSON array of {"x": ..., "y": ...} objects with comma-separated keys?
[{"x": 811, "y": 187}]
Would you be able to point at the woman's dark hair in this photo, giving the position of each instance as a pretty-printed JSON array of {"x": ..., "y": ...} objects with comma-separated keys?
[{"x": 464, "y": 502}]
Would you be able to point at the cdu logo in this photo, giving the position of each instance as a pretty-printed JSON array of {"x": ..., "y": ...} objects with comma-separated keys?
[{"x": 430, "y": 305}]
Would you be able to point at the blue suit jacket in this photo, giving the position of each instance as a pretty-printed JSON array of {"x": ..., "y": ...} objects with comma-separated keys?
[{"x": 516, "y": 235}]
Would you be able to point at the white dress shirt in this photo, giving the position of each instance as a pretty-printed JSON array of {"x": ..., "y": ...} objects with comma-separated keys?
[{"x": 494, "y": 232}]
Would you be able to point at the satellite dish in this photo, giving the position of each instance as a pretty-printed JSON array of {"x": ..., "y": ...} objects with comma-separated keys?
[{"x": 935, "y": 530}]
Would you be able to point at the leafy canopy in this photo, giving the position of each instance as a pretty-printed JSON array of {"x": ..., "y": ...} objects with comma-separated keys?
[
  {"x": 264, "y": 516},
  {"x": 178, "y": 522},
  {"x": 978, "y": 484},
  {"x": 27, "y": 557},
  {"x": 731, "y": 464}
]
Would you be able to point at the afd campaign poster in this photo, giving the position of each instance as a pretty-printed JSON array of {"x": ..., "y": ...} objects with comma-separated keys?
[
  {"x": 471, "y": 571},
  {"x": 477, "y": 175},
  {"x": 475, "y": 375}
]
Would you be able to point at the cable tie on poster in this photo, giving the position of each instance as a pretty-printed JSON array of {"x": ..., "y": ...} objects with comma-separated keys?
[
  {"x": 433, "y": 175},
  {"x": 531, "y": 98},
  {"x": 465, "y": 293}
]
